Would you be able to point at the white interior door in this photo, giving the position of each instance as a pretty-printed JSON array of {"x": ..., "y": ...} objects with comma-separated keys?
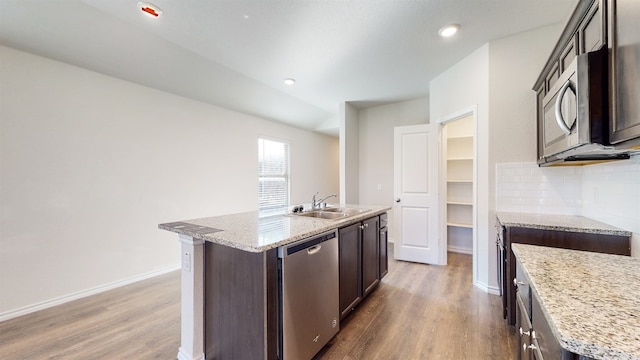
[{"x": 415, "y": 213}]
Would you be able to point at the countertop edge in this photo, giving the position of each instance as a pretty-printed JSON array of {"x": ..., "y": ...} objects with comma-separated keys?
[
  {"x": 609, "y": 230},
  {"x": 328, "y": 225}
]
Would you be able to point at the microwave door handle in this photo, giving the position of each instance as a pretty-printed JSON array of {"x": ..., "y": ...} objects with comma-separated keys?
[{"x": 559, "y": 118}]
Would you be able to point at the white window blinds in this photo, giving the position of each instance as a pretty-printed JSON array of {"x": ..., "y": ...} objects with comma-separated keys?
[{"x": 273, "y": 177}]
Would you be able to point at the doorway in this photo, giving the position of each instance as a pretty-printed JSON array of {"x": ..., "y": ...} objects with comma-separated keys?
[{"x": 458, "y": 175}]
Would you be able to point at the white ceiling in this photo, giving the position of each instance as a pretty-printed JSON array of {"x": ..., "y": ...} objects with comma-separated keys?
[{"x": 235, "y": 53}]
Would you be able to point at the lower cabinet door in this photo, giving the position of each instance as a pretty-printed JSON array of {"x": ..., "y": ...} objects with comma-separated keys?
[
  {"x": 370, "y": 258},
  {"x": 384, "y": 255},
  {"x": 350, "y": 264},
  {"x": 523, "y": 332}
]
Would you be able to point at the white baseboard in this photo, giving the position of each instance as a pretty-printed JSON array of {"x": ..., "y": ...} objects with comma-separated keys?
[
  {"x": 460, "y": 249},
  {"x": 494, "y": 290},
  {"x": 84, "y": 293}
]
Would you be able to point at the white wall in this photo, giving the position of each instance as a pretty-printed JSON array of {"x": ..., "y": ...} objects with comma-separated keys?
[
  {"x": 89, "y": 165},
  {"x": 376, "y": 145},
  {"x": 375, "y": 126},
  {"x": 608, "y": 192},
  {"x": 514, "y": 65},
  {"x": 349, "y": 154},
  {"x": 497, "y": 78},
  {"x": 464, "y": 86}
]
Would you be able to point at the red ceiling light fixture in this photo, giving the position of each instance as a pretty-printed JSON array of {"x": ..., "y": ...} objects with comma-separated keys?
[{"x": 149, "y": 9}]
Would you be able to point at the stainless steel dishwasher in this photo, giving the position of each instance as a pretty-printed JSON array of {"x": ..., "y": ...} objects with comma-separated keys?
[{"x": 309, "y": 309}]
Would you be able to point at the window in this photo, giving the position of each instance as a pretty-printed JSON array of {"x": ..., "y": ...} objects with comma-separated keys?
[{"x": 273, "y": 177}]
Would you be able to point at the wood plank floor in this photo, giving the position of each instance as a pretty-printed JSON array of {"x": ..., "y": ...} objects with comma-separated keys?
[
  {"x": 418, "y": 312},
  {"x": 138, "y": 321},
  {"x": 425, "y": 312}
]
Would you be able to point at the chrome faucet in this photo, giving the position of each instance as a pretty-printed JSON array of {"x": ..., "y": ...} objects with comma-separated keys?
[{"x": 316, "y": 204}]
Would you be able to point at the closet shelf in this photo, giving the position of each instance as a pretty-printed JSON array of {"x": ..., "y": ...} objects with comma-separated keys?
[
  {"x": 460, "y": 137},
  {"x": 467, "y": 226},
  {"x": 453, "y": 202}
]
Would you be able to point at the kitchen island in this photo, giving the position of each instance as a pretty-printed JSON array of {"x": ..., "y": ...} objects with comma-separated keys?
[
  {"x": 578, "y": 303},
  {"x": 229, "y": 301}
]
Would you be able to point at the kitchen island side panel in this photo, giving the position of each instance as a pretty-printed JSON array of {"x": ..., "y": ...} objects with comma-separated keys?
[{"x": 240, "y": 314}]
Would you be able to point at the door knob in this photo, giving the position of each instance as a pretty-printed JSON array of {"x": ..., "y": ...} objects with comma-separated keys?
[{"x": 398, "y": 200}]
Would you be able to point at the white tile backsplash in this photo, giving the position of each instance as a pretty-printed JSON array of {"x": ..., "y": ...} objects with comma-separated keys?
[
  {"x": 608, "y": 192},
  {"x": 611, "y": 193},
  {"x": 525, "y": 187}
]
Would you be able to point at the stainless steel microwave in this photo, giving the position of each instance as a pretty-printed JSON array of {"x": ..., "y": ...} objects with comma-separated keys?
[{"x": 576, "y": 113}]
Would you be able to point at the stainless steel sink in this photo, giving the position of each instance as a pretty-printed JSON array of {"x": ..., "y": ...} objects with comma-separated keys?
[
  {"x": 331, "y": 213},
  {"x": 321, "y": 214},
  {"x": 348, "y": 211}
]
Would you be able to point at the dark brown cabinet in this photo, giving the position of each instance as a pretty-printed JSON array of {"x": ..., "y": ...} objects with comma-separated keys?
[
  {"x": 359, "y": 259},
  {"x": 384, "y": 243},
  {"x": 523, "y": 332},
  {"x": 603, "y": 243},
  {"x": 592, "y": 31},
  {"x": 349, "y": 250},
  {"x": 370, "y": 254},
  {"x": 585, "y": 31},
  {"x": 624, "y": 120},
  {"x": 594, "y": 25}
]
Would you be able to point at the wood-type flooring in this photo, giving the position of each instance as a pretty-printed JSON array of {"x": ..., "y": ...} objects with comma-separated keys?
[
  {"x": 417, "y": 312},
  {"x": 422, "y": 312}
]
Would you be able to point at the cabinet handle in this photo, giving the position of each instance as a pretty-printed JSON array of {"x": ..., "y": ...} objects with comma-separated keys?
[
  {"x": 562, "y": 123},
  {"x": 361, "y": 227},
  {"x": 526, "y": 347},
  {"x": 516, "y": 282},
  {"x": 366, "y": 225},
  {"x": 522, "y": 332}
]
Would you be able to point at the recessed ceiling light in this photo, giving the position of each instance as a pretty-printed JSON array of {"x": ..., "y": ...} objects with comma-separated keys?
[
  {"x": 149, "y": 9},
  {"x": 289, "y": 81},
  {"x": 449, "y": 30}
]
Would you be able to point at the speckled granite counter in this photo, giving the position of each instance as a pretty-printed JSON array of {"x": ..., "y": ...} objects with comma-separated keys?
[
  {"x": 590, "y": 300},
  {"x": 558, "y": 222},
  {"x": 250, "y": 232}
]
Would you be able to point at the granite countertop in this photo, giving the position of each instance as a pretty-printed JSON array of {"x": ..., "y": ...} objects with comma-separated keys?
[
  {"x": 590, "y": 300},
  {"x": 572, "y": 223},
  {"x": 250, "y": 232}
]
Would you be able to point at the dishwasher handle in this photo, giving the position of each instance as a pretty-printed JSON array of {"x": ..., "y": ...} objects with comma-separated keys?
[
  {"x": 311, "y": 245},
  {"x": 314, "y": 249}
]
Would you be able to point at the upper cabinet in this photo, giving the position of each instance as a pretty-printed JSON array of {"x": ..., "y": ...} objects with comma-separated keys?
[
  {"x": 624, "y": 38},
  {"x": 592, "y": 30},
  {"x": 586, "y": 31},
  {"x": 610, "y": 26}
]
